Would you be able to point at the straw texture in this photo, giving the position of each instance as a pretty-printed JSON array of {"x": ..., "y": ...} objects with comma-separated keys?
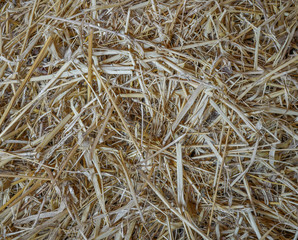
[{"x": 149, "y": 119}]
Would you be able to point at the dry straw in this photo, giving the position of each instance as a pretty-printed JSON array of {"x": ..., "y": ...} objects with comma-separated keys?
[{"x": 148, "y": 119}]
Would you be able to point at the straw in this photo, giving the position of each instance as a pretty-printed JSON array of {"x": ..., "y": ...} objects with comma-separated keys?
[{"x": 145, "y": 119}]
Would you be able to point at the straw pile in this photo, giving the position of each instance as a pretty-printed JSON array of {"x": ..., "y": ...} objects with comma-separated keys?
[{"x": 149, "y": 119}]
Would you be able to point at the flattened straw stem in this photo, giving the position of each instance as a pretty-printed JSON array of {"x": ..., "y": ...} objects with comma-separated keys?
[
  {"x": 90, "y": 43},
  {"x": 218, "y": 180}
]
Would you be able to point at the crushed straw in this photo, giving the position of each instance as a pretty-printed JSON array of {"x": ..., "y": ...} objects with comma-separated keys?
[{"x": 148, "y": 119}]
